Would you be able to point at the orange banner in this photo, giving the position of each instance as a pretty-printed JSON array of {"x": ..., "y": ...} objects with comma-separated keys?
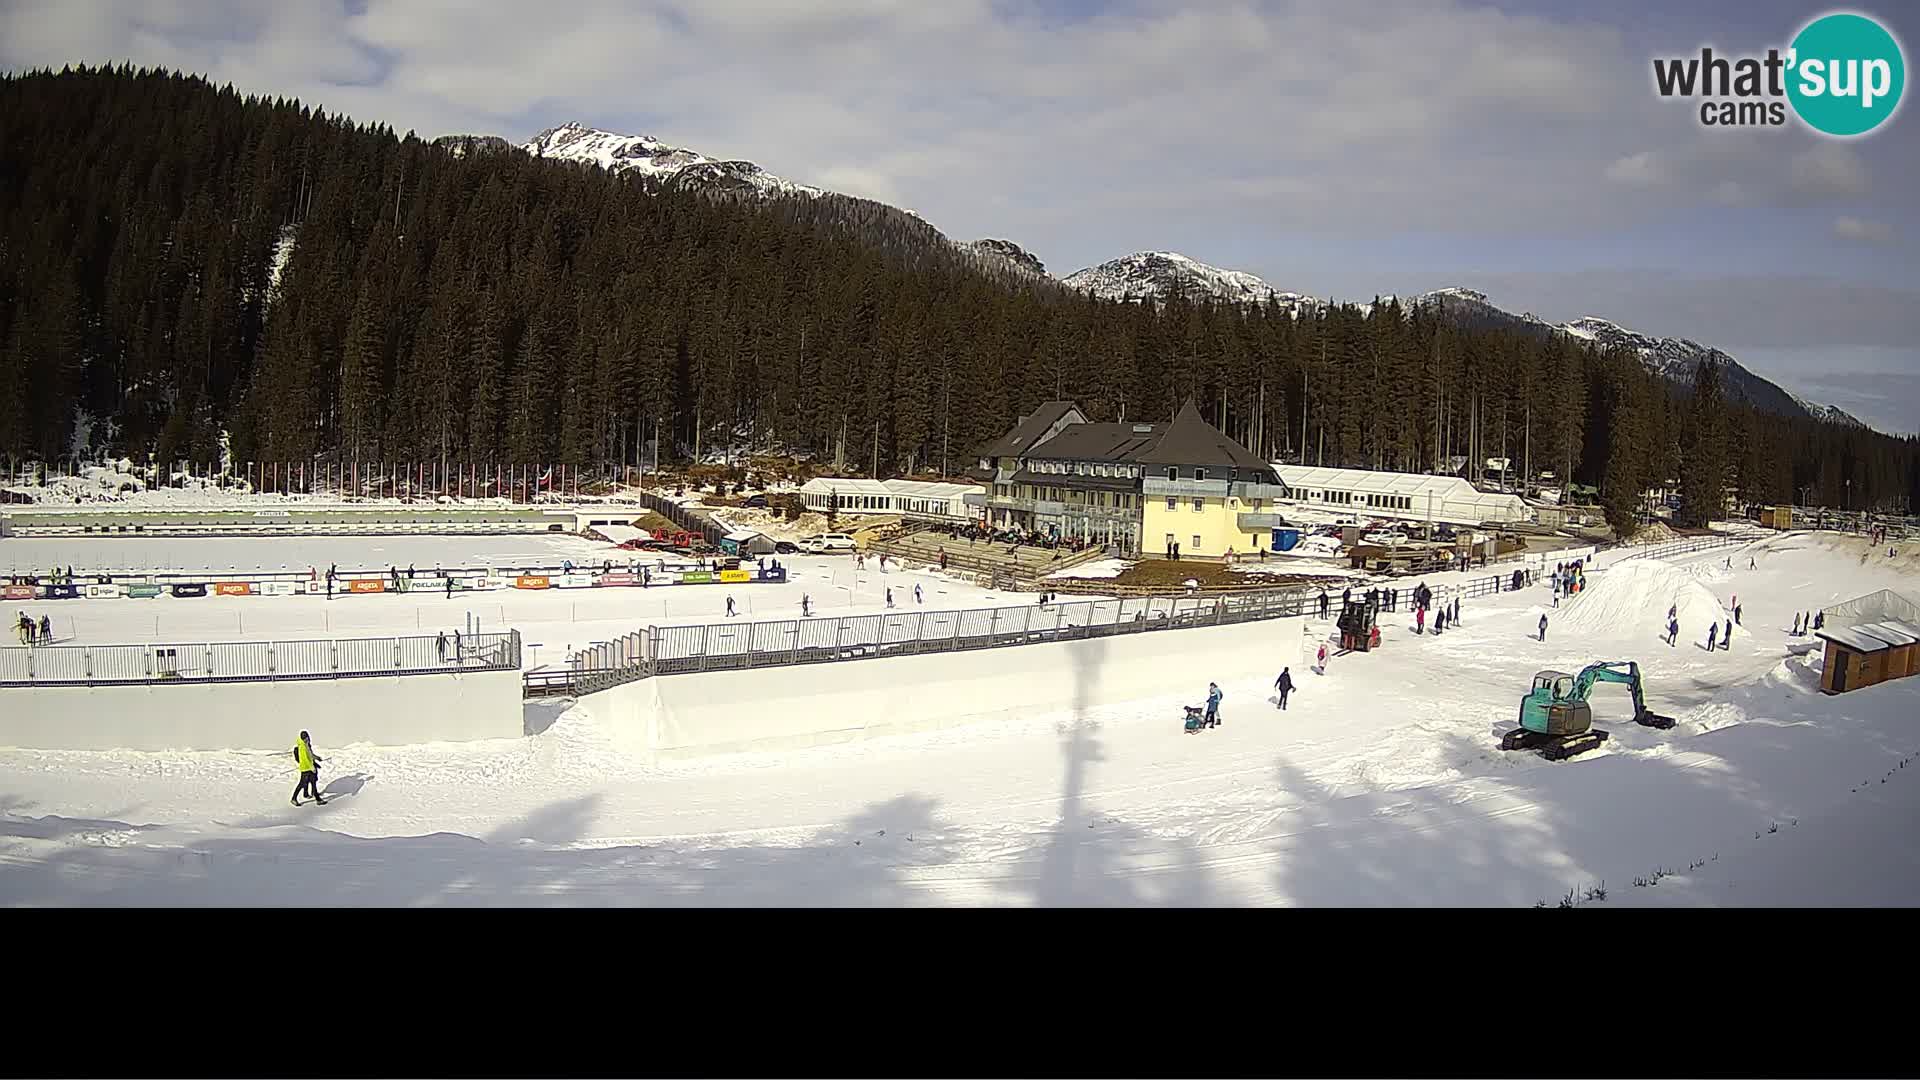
[
  {"x": 233, "y": 588},
  {"x": 530, "y": 583},
  {"x": 367, "y": 585}
]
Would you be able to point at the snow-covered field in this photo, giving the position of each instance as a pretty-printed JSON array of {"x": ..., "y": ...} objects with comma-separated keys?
[{"x": 1380, "y": 785}]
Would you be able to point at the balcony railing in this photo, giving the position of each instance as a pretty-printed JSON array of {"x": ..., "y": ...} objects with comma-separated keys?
[
  {"x": 1212, "y": 489},
  {"x": 1260, "y": 522}
]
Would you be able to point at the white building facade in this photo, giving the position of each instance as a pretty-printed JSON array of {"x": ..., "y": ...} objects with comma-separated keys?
[
  {"x": 916, "y": 498},
  {"x": 1414, "y": 497}
]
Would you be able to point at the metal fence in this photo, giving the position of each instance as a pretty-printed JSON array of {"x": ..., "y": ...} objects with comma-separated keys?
[
  {"x": 258, "y": 661},
  {"x": 1688, "y": 546}
]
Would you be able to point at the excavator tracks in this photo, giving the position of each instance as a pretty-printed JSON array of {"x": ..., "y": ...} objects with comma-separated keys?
[{"x": 1553, "y": 747}]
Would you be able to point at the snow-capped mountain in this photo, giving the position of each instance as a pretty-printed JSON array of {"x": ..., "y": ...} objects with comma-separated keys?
[
  {"x": 1154, "y": 275},
  {"x": 1676, "y": 359},
  {"x": 1013, "y": 254},
  {"x": 462, "y": 145},
  {"x": 651, "y": 157},
  {"x": 1832, "y": 414}
]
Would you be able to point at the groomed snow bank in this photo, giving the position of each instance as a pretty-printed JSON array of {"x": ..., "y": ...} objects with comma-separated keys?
[
  {"x": 1630, "y": 601},
  {"x": 391, "y": 710},
  {"x": 780, "y": 708}
]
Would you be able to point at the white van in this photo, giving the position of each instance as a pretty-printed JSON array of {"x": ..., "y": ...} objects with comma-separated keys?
[{"x": 827, "y": 544}]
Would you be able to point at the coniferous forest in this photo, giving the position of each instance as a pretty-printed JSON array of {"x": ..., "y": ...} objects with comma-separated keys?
[{"x": 449, "y": 301}]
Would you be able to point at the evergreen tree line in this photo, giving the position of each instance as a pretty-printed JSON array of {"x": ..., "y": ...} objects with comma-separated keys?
[{"x": 450, "y": 302}]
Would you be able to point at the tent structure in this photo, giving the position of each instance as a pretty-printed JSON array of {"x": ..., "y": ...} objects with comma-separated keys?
[
  {"x": 856, "y": 495},
  {"x": 746, "y": 542},
  {"x": 1405, "y": 496},
  {"x": 1874, "y": 607}
]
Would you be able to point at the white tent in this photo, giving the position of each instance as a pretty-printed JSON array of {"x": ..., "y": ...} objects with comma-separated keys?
[{"x": 1405, "y": 496}]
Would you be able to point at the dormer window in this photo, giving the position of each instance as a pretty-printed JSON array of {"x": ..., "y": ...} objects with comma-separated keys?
[
  {"x": 1199, "y": 473},
  {"x": 1173, "y": 472}
]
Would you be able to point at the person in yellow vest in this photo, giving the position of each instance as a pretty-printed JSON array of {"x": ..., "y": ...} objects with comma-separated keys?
[{"x": 309, "y": 770}]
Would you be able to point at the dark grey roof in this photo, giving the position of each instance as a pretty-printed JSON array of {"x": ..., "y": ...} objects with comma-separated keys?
[
  {"x": 1189, "y": 440},
  {"x": 1028, "y": 430},
  {"x": 1098, "y": 442}
]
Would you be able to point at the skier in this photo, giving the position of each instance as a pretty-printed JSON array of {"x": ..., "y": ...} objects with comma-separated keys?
[
  {"x": 46, "y": 630},
  {"x": 729, "y": 607},
  {"x": 1726, "y": 639},
  {"x": 309, "y": 766},
  {"x": 1543, "y": 627},
  {"x": 1213, "y": 705},
  {"x": 1440, "y": 622},
  {"x": 1751, "y": 564},
  {"x": 1455, "y": 617},
  {"x": 1420, "y": 620},
  {"x": 1673, "y": 612},
  {"x": 1323, "y": 603},
  {"x": 916, "y": 594},
  {"x": 890, "y": 596},
  {"x": 1284, "y": 684},
  {"x": 806, "y": 605},
  {"x": 1713, "y": 630},
  {"x": 1673, "y": 632},
  {"x": 449, "y": 588}
]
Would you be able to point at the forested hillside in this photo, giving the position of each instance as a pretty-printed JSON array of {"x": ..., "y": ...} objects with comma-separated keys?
[{"x": 479, "y": 304}]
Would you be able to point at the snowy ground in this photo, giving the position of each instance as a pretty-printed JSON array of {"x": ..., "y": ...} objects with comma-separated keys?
[
  {"x": 1381, "y": 785},
  {"x": 552, "y": 622}
]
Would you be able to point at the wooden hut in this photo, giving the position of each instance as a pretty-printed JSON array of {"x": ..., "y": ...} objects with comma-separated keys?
[{"x": 1853, "y": 660}]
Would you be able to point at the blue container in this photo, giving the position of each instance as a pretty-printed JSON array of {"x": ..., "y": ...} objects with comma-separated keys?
[{"x": 1286, "y": 539}]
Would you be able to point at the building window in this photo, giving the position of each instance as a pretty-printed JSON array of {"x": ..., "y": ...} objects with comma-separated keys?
[
  {"x": 1199, "y": 473},
  {"x": 1173, "y": 472},
  {"x": 1173, "y": 503},
  {"x": 1196, "y": 541},
  {"x": 1199, "y": 505}
]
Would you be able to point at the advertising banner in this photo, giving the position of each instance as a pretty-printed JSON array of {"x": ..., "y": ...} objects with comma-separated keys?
[
  {"x": 233, "y": 588},
  {"x": 60, "y": 592},
  {"x": 531, "y": 581},
  {"x": 576, "y": 581},
  {"x": 102, "y": 592},
  {"x": 367, "y": 585},
  {"x": 773, "y": 573},
  {"x": 279, "y": 588},
  {"x": 190, "y": 590},
  {"x": 143, "y": 592},
  {"x": 314, "y": 587},
  {"x": 697, "y": 577},
  {"x": 735, "y": 575},
  {"x": 618, "y": 579},
  {"x": 20, "y": 592}
]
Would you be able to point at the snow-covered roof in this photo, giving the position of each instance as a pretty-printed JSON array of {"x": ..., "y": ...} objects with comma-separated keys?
[
  {"x": 1391, "y": 483},
  {"x": 917, "y": 489},
  {"x": 1852, "y": 638},
  {"x": 740, "y": 536},
  {"x": 1888, "y": 633}
]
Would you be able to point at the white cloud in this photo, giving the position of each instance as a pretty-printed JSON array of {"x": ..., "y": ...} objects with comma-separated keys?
[
  {"x": 1637, "y": 170},
  {"x": 1853, "y": 228},
  {"x": 1828, "y": 170}
]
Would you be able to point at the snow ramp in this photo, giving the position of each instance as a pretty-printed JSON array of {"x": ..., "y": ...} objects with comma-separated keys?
[{"x": 1630, "y": 602}]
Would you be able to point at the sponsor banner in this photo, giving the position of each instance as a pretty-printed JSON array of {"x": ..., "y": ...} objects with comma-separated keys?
[
  {"x": 102, "y": 592},
  {"x": 531, "y": 581},
  {"x": 618, "y": 579},
  {"x": 20, "y": 592},
  {"x": 315, "y": 586},
  {"x": 59, "y": 592},
  {"x": 773, "y": 573},
  {"x": 489, "y": 583},
  {"x": 190, "y": 590},
  {"x": 278, "y": 588},
  {"x": 144, "y": 592},
  {"x": 697, "y": 577},
  {"x": 233, "y": 588},
  {"x": 576, "y": 581},
  {"x": 367, "y": 585},
  {"x": 735, "y": 575}
]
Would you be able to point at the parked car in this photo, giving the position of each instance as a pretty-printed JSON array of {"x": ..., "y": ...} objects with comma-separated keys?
[
  {"x": 756, "y": 502},
  {"x": 785, "y": 547},
  {"x": 828, "y": 544}
]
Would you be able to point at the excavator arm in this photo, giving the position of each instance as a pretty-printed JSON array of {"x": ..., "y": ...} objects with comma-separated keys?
[{"x": 1625, "y": 672}]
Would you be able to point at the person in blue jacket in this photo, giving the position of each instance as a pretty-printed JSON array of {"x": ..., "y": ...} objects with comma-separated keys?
[{"x": 1213, "y": 705}]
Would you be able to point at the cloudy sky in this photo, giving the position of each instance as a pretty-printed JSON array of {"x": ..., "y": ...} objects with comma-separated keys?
[{"x": 1340, "y": 149}]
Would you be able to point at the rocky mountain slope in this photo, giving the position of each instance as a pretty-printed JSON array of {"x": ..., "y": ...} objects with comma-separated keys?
[{"x": 1155, "y": 275}]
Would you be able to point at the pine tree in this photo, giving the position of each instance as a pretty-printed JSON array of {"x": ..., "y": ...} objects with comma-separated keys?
[{"x": 1703, "y": 455}]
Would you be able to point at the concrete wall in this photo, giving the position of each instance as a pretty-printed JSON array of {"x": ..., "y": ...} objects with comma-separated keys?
[
  {"x": 680, "y": 716},
  {"x": 384, "y": 709}
]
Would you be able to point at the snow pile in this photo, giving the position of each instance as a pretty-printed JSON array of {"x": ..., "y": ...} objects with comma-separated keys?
[
  {"x": 1656, "y": 533},
  {"x": 1630, "y": 601},
  {"x": 1100, "y": 568},
  {"x": 618, "y": 534}
]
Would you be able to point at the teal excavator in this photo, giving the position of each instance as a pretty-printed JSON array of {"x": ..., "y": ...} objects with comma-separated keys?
[{"x": 1556, "y": 720}]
